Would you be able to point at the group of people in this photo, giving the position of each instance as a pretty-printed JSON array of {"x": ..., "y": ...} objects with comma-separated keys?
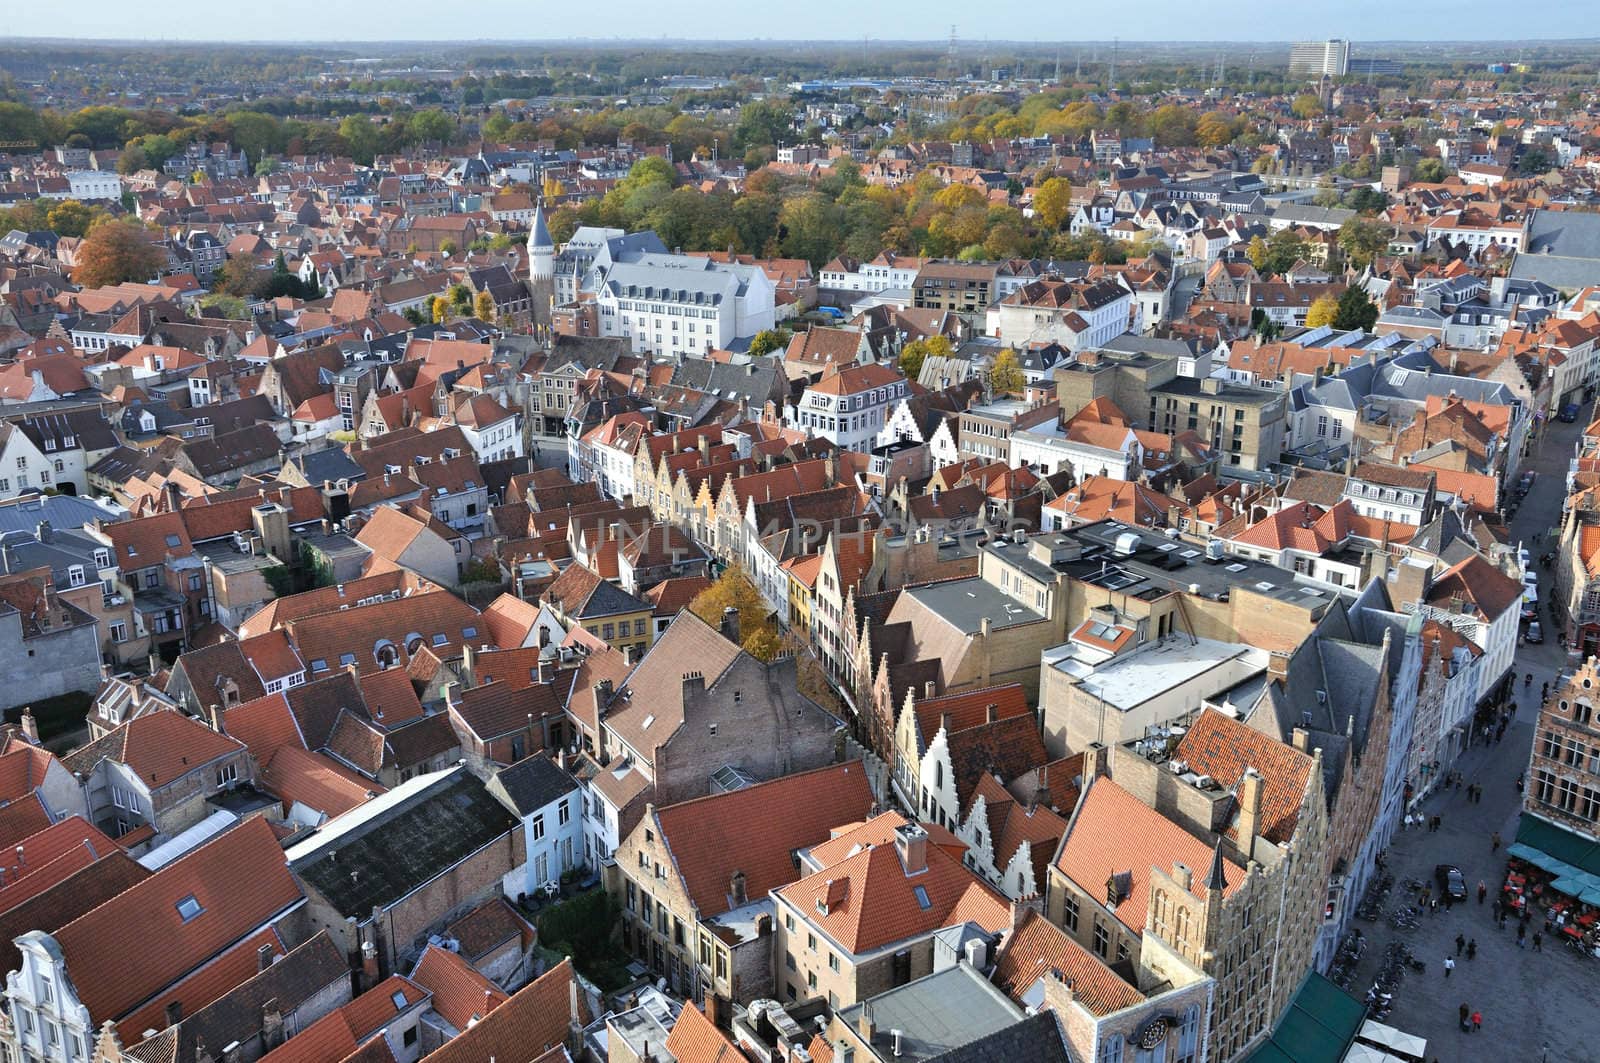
[{"x": 1471, "y": 1021}]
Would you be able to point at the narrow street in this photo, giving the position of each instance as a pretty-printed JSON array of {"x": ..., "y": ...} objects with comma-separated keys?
[{"x": 1537, "y": 1006}]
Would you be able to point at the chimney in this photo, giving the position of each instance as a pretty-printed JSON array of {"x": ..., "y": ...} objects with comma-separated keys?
[
  {"x": 370, "y": 975},
  {"x": 911, "y": 844},
  {"x": 991, "y": 712},
  {"x": 172, "y": 495},
  {"x": 174, "y": 1014},
  {"x": 736, "y": 889},
  {"x": 30, "y": 726},
  {"x": 263, "y": 958},
  {"x": 1250, "y": 787},
  {"x": 469, "y": 661},
  {"x": 930, "y": 689},
  {"x": 730, "y": 624},
  {"x": 42, "y": 531},
  {"x": 864, "y": 1024},
  {"x": 946, "y": 723},
  {"x": 271, "y": 1024},
  {"x": 1300, "y": 738},
  {"x": 1183, "y": 875}
]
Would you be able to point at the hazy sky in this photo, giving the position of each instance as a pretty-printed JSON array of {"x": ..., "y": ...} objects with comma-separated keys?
[{"x": 1041, "y": 20}]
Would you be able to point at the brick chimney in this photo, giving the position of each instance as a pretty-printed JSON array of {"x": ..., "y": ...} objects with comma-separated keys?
[
  {"x": 1250, "y": 788},
  {"x": 911, "y": 844},
  {"x": 730, "y": 624}
]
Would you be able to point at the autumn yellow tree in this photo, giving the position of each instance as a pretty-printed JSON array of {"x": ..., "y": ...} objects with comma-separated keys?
[
  {"x": 758, "y": 634},
  {"x": 483, "y": 307},
  {"x": 441, "y": 309},
  {"x": 117, "y": 251},
  {"x": 1005, "y": 375},
  {"x": 1322, "y": 311},
  {"x": 1052, "y": 202},
  {"x": 1257, "y": 252}
]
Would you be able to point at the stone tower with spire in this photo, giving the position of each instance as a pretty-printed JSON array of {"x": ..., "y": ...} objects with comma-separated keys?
[{"x": 541, "y": 270}]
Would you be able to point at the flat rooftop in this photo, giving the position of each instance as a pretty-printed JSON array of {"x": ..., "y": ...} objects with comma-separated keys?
[
  {"x": 1127, "y": 681},
  {"x": 966, "y": 603},
  {"x": 1148, "y": 564},
  {"x": 937, "y": 1013}
]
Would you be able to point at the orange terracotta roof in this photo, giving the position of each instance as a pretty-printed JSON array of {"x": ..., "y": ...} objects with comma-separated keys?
[
  {"x": 159, "y": 747},
  {"x": 533, "y": 1021},
  {"x": 797, "y": 811},
  {"x": 1038, "y": 947},
  {"x": 970, "y": 709},
  {"x": 461, "y": 994},
  {"x": 1222, "y": 747},
  {"x": 696, "y": 1039}
]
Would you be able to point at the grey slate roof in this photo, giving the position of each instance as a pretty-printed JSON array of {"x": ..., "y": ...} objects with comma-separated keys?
[{"x": 533, "y": 783}]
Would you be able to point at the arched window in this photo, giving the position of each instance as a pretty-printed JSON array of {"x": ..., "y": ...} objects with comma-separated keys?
[
  {"x": 414, "y": 642},
  {"x": 1111, "y": 1049},
  {"x": 386, "y": 653}
]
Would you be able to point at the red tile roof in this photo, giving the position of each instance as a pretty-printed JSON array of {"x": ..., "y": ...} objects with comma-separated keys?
[
  {"x": 1222, "y": 747},
  {"x": 460, "y": 993},
  {"x": 158, "y": 747},
  {"x": 795, "y": 811},
  {"x": 532, "y": 1022},
  {"x": 240, "y": 881},
  {"x": 696, "y": 1039},
  {"x": 1039, "y": 947},
  {"x": 1114, "y": 832}
]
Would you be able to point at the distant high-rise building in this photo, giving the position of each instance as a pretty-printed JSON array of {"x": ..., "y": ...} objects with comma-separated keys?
[{"x": 1315, "y": 58}]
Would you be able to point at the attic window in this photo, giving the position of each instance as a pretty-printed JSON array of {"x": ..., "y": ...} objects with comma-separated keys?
[
  {"x": 319, "y": 664},
  {"x": 173, "y": 540},
  {"x": 188, "y": 908},
  {"x": 399, "y": 999},
  {"x": 469, "y": 632},
  {"x": 922, "y": 898},
  {"x": 346, "y": 660},
  {"x": 648, "y": 720},
  {"x": 439, "y": 640}
]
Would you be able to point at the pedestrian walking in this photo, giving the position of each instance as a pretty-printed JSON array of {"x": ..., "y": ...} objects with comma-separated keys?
[
  {"x": 1449, "y": 965},
  {"x": 1522, "y": 934},
  {"x": 1494, "y": 842},
  {"x": 1472, "y": 947},
  {"x": 1483, "y": 891},
  {"x": 1465, "y": 1013},
  {"x": 1538, "y": 941},
  {"x": 1461, "y": 943},
  {"x": 1477, "y": 1021}
]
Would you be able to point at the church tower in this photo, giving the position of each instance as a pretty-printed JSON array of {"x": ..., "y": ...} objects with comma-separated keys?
[{"x": 541, "y": 270}]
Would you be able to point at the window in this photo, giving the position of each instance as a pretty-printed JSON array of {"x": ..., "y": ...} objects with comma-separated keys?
[
  {"x": 833, "y": 961},
  {"x": 188, "y": 908},
  {"x": 119, "y": 631},
  {"x": 194, "y": 581},
  {"x": 409, "y": 1037},
  {"x": 227, "y": 773},
  {"x": 564, "y": 811},
  {"x": 1111, "y": 1049},
  {"x": 537, "y": 829},
  {"x": 1102, "y": 940}
]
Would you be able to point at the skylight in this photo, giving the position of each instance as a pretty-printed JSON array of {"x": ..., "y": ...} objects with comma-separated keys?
[
  {"x": 188, "y": 908},
  {"x": 922, "y": 898}
]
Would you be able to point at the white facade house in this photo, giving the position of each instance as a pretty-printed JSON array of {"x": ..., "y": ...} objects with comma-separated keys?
[
  {"x": 683, "y": 305},
  {"x": 849, "y": 408},
  {"x": 550, "y": 804},
  {"x": 23, "y": 466},
  {"x": 1079, "y": 316},
  {"x": 48, "y": 1020},
  {"x": 94, "y": 184},
  {"x": 886, "y": 271}
]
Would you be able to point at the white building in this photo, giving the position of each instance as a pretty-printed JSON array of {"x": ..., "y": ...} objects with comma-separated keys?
[
  {"x": 93, "y": 184},
  {"x": 849, "y": 407},
  {"x": 23, "y": 466},
  {"x": 681, "y": 304},
  {"x": 550, "y": 804},
  {"x": 1078, "y": 315},
  {"x": 888, "y": 270},
  {"x": 1316, "y": 58}
]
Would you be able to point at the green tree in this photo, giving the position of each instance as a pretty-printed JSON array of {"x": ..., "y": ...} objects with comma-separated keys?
[
  {"x": 71, "y": 218},
  {"x": 117, "y": 251},
  {"x": 1005, "y": 375},
  {"x": 430, "y": 125},
  {"x": 768, "y": 340},
  {"x": 1360, "y": 239},
  {"x": 1257, "y": 252},
  {"x": 1356, "y": 311},
  {"x": 1306, "y": 106},
  {"x": 733, "y": 590},
  {"x": 255, "y": 133},
  {"x": 762, "y": 123},
  {"x": 913, "y": 354},
  {"x": 222, "y": 304},
  {"x": 1284, "y": 249},
  {"x": 1052, "y": 203},
  {"x": 360, "y": 137},
  {"x": 448, "y": 247},
  {"x": 1429, "y": 171},
  {"x": 1533, "y": 161},
  {"x": 460, "y": 295},
  {"x": 1322, "y": 311}
]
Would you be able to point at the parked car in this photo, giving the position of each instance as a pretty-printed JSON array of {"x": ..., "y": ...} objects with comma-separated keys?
[
  {"x": 1534, "y": 633},
  {"x": 1569, "y": 412},
  {"x": 1451, "y": 882}
]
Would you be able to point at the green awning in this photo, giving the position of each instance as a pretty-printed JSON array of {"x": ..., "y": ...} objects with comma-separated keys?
[
  {"x": 1318, "y": 1026},
  {"x": 1559, "y": 844}
]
